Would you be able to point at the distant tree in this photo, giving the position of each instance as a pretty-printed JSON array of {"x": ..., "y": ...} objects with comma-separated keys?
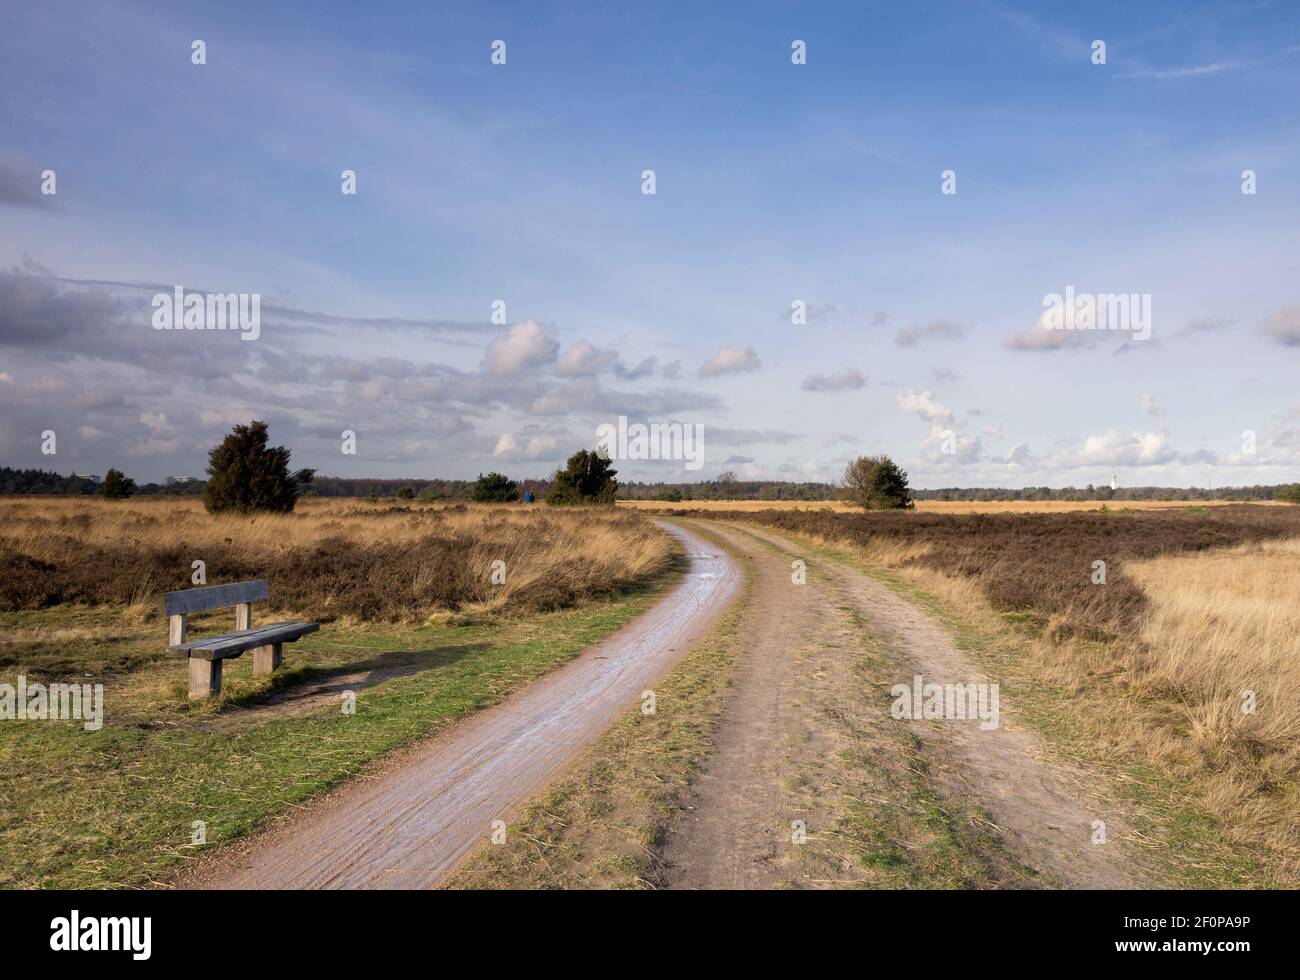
[
  {"x": 727, "y": 485},
  {"x": 495, "y": 488},
  {"x": 244, "y": 474},
  {"x": 672, "y": 495},
  {"x": 877, "y": 483},
  {"x": 1291, "y": 494},
  {"x": 406, "y": 493},
  {"x": 585, "y": 479},
  {"x": 117, "y": 485}
]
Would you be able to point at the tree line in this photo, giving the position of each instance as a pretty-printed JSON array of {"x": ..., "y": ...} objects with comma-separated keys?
[{"x": 246, "y": 473}]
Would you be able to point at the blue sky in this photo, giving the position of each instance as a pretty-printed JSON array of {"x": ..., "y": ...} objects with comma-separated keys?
[{"x": 775, "y": 183}]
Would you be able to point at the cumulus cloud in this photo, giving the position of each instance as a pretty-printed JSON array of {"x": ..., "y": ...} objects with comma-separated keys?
[
  {"x": 1020, "y": 455},
  {"x": 583, "y": 358},
  {"x": 730, "y": 360},
  {"x": 1284, "y": 325},
  {"x": 923, "y": 405},
  {"x": 1113, "y": 448},
  {"x": 913, "y": 333},
  {"x": 943, "y": 443},
  {"x": 1039, "y": 338},
  {"x": 847, "y": 379},
  {"x": 524, "y": 346},
  {"x": 538, "y": 446}
]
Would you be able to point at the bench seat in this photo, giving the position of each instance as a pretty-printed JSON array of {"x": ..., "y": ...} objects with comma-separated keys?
[{"x": 234, "y": 644}]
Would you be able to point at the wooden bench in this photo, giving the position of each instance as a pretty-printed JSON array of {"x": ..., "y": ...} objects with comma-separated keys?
[{"x": 206, "y": 655}]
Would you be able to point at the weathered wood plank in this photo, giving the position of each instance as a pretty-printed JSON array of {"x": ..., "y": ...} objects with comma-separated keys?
[
  {"x": 177, "y": 630},
  {"x": 205, "y": 678},
  {"x": 215, "y": 597},
  {"x": 235, "y": 644},
  {"x": 267, "y": 658}
]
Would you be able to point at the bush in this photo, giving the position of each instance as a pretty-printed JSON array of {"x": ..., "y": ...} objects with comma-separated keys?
[
  {"x": 585, "y": 479},
  {"x": 245, "y": 475},
  {"x": 406, "y": 493},
  {"x": 495, "y": 488},
  {"x": 117, "y": 485},
  {"x": 1290, "y": 494},
  {"x": 876, "y": 483}
]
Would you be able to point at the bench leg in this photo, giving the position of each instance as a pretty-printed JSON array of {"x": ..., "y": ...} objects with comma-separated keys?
[
  {"x": 267, "y": 658},
  {"x": 205, "y": 678}
]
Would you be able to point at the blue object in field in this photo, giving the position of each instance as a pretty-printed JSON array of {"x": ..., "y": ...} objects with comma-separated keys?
[{"x": 528, "y": 497}]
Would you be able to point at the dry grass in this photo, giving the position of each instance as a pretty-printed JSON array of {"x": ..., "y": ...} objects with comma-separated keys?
[
  {"x": 1147, "y": 671},
  {"x": 331, "y": 558},
  {"x": 1223, "y": 623},
  {"x": 931, "y": 506}
]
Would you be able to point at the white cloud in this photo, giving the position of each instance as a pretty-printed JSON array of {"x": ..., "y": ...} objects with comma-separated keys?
[
  {"x": 1152, "y": 407},
  {"x": 922, "y": 403},
  {"x": 537, "y": 447},
  {"x": 583, "y": 358},
  {"x": 943, "y": 443},
  {"x": 1112, "y": 448},
  {"x": 1020, "y": 455},
  {"x": 730, "y": 360},
  {"x": 526, "y": 345},
  {"x": 1040, "y": 338}
]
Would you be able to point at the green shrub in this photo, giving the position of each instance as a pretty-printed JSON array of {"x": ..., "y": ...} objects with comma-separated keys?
[
  {"x": 585, "y": 479},
  {"x": 495, "y": 488},
  {"x": 117, "y": 485},
  {"x": 244, "y": 474},
  {"x": 877, "y": 483}
]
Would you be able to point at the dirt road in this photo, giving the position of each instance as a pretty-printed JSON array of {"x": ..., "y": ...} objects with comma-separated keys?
[
  {"x": 803, "y": 737},
  {"x": 804, "y": 744},
  {"x": 408, "y": 827}
]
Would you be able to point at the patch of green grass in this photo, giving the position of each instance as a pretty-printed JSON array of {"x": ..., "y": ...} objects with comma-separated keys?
[{"x": 115, "y": 807}]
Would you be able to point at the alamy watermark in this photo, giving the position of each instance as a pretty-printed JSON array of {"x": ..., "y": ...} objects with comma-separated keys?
[
  {"x": 179, "y": 310},
  {"x": 658, "y": 440},
  {"x": 972, "y": 701},
  {"x": 1129, "y": 312},
  {"x": 53, "y": 702}
]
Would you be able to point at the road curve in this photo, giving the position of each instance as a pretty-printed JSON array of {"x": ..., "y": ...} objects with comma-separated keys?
[{"x": 409, "y": 827}]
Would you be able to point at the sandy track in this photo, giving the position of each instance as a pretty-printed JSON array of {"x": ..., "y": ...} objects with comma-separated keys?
[
  {"x": 736, "y": 829},
  {"x": 408, "y": 827},
  {"x": 763, "y": 771}
]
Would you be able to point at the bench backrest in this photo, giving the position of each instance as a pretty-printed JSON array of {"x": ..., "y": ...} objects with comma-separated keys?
[{"x": 214, "y": 597}]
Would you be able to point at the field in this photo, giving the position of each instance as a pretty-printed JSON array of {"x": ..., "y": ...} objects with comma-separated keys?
[
  {"x": 1176, "y": 672},
  {"x": 930, "y": 506},
  {"x": 331, "y": 558},
  {"x": 1182, "y": 663},
  {"x": 413, "y": 627}
]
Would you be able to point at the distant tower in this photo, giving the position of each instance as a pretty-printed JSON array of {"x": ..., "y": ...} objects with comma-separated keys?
[{"x": 1114, "y": 484}]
